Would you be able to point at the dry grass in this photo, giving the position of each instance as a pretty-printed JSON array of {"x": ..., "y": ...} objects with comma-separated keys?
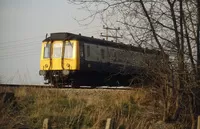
[{"x": 82, "y": 109}]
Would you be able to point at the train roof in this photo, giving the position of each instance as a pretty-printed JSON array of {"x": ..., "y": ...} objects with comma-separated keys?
[{"x": 92, "y": 40}]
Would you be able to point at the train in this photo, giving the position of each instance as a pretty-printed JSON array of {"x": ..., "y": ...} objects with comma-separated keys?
[{"x": 77, "y": 60}]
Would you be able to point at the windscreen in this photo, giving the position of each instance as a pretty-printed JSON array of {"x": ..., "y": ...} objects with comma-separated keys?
[
  {"x": 57, "y": 50},
  {"x": 68, "y": 50},
  {"x": 47, "y": 50}
]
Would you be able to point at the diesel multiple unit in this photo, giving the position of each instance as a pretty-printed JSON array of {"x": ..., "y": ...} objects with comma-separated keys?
[{"x": 70, "y": 59}]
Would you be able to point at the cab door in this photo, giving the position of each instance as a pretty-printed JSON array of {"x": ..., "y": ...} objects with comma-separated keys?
[
  {"x": 71, "y": 55},
  {"x": 57, "y": 51},
  {"x": 45, "y": 60}
]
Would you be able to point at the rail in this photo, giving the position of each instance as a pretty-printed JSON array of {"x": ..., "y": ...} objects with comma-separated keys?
[{"x": 68, "y": 86}]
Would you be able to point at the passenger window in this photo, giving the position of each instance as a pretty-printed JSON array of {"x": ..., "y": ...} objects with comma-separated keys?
[
  {"x": 115, "y": 55},
  {"x": 88, "y": 50},
  {"x": 102, "y": 53}
]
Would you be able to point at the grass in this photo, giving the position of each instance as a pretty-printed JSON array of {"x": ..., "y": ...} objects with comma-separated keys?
[{"x": 80, "y": 108}]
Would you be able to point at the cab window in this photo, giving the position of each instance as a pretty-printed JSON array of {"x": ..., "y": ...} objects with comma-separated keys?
[
  {"x": 57, "y": 50},
  {"x": 47, "y": 50},
  {"x": 68, "y": 50}
]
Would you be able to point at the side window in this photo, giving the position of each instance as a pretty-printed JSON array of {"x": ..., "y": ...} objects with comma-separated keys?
[
  {"x": 102, "y": 54},
  {"x": 120, "y": 56},
  {"x": 81, "y": 50},
  {"x": 112, "y": 54},
  {"x": 115, "y": 55},
  {"x": 88, "y": 50}
]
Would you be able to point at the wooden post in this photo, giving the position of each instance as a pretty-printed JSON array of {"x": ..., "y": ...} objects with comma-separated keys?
[
  {"x": 108, "y": 124},
  {"x": 45, "y": 123},
  {"x": 198, "y": 123}
]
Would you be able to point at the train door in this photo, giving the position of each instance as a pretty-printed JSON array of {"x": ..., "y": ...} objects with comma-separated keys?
[
  {"x": 45, "y": 62},
  {"x": 56, "y": 56},
  {"x": 71, "y": 55}
]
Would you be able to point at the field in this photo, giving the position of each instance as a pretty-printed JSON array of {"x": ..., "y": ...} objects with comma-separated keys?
[{"x": 140, "y": 108}]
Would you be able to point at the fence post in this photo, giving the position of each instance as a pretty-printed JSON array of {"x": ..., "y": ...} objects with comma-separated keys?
[
  {"x": 198, "y": 122},
  {"x": 108, "y": 124},
  {"x": 45, "y": 123}
]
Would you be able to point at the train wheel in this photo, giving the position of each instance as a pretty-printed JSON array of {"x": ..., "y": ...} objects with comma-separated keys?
[
  {"x": 57, "y": 84},
  {"x": 74, "y": 85},
  {"x": 93, "y": 86}
]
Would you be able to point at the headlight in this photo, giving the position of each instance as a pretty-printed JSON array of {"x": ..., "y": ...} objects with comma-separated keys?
[
  {"x": 42, "y": 72},
  {"x": 65, "y": 72},
  {"x": 68, "y": 65},
  {"x": 46, "y": 65}
]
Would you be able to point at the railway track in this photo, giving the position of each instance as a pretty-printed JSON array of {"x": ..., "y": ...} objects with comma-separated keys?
[
  {"x": 19, "y": 85},
  {"x": 67, "y": 87}
]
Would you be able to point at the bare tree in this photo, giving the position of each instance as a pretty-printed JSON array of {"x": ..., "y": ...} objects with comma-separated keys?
[
  {"x": 198, "y": 36},
  {"x": 171, "y": 26}
]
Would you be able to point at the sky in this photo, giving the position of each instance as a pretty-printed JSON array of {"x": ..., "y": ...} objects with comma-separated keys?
[{"x": 24, "y": 24}]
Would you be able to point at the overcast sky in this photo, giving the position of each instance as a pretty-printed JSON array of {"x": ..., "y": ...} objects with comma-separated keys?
[{"x": 24, "y": 24}]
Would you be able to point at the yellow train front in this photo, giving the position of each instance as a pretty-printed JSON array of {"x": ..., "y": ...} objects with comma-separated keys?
[
  {"x": 70, "y": 59},
  {"x": 59, "y": 58}
]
